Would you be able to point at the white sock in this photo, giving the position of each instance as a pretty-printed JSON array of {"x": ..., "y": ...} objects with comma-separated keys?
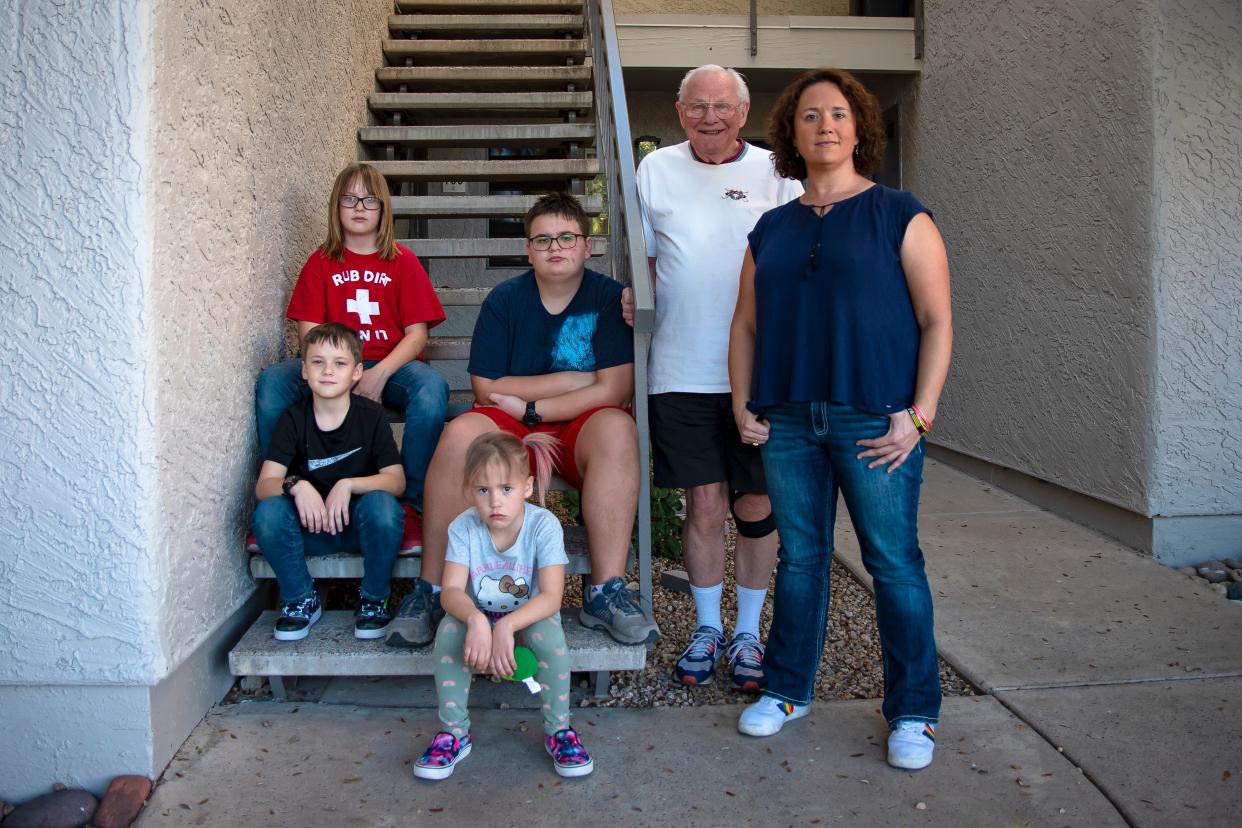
[
  {"x": 435, "y": 589},
  {"x": 707, "y": 605},
  {"x": 749, "y": 607},
  {"x": 596, "y": 590}
]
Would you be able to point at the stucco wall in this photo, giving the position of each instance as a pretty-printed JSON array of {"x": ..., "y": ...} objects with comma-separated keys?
[
  {"x": 78, "y": 585},
  {"x": 1029, "y": 136},
  {"x": 793, "y": 7},
  {"x": 256, "y": 108},
  {"x": 1197, "y": 468}
]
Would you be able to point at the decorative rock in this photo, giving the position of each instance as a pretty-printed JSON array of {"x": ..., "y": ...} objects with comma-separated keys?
[
  {"x": 58, "y": 809},
  {"x": 1214, "y": 571},
  {"x": 1235, "y": 575},
  {"x": 1220, "y": 589},
  {"x": 122, "y": 801},
  {"x": 1234, "y": 591},
  {"x": 675, "y": 580},
  {"x": 1189, "y": 570},
  {"x": 59, "y": 786},
  {"x": 1233, "y": 563}
]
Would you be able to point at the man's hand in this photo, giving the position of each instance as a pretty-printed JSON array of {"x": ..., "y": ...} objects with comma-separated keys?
[
  {"x": 372, "y": 383},
  {"x": 478, "y": 649},
  {"x": 514, "y": 406},
  {"x": 311, "y": 510},
  {"x": 502, "y": 662},
  {"x": 627, "y": 306},
  {"x": 337, "y": 505}
]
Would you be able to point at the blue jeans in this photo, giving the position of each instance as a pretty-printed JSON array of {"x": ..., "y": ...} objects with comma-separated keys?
[
  {"x": 415, "y": 388},
  {"x": 375, "y": 526},
  {"x": 810, "y": 456}
]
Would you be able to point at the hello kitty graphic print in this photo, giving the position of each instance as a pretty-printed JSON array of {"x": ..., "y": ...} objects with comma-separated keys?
[{"x": 500, "y": 582}]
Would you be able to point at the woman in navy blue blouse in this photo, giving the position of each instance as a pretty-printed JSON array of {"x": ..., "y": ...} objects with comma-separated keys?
[{"x": 839, "y": 349}]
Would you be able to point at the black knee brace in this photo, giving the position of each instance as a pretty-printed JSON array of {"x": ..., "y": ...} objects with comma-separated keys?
[{"x": 751, "y": 528}]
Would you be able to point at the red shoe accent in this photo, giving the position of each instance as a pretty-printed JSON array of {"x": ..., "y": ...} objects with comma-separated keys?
[
  {"x": 412, "y": 539},
  {"x": 252, "y": 543}
]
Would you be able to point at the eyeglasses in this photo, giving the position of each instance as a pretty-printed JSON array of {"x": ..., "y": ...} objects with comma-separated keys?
[
  {"x": 368, "y": 202},
  {"x": 565, "y": 241},
  {"x": 721, "y": 108}
]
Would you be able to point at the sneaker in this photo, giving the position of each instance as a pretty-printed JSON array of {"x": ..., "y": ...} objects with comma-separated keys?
[
  {"x": 441, "y": 756},
  {"x": 618, "y": 612},
  {"x": 911, "y": 743},
  {"x": 412, "y": 536},
  {"x": 371, "y": 618},
  {"x": 569, "y": 757},
  {"x": 767, "y": 716},
  {"x": 746, "y": 663},
  {"x": 415, "y": 623},
  {"x": 698, "y": 663},
  {"x": 296, "y": 618},
  {"x": 252, "y": 544}
]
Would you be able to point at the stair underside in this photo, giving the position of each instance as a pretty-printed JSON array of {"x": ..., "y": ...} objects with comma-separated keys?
[
  {"x": 493, "y": 51},
  {"x": 476, "y": 24},
  {"x": 445, "y": 6},
  {"x": 475, "y": 248},
  {"x": 491, "y": 206},
  {"x": 566, "y": 168},
  {"x": 331, "y": 650},
  {"x": 480, "y": 135},
  {"x": 493, "y": 78},
  {"x": 474, "y": 102}
]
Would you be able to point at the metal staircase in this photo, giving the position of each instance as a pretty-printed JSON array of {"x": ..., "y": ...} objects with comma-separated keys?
[{"x": 486, "y": 104}]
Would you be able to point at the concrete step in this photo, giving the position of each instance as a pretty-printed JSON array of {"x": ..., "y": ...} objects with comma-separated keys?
[
  {"x": 495, "y": 206},
  {"x": 494, "y": 78},
  {"x": 462, "y": 297},
  {"x": 510, "y": 6},
  {"x": 409, "y": 565},
  {"x": 331, "y": 650},
  {"x": 424, "y": 102},
  {"x": 492, "y": 51},
  {"x": 475, "y": 248},
  {"x": 481, "y": 135},
  {"x": 447, "y": 347},
  {"x": 477, "y": 24},
  {"x": 515, "y": 170}
]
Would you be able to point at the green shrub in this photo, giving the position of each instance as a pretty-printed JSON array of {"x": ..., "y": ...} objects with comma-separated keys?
[{"x": 666, "y": 522}]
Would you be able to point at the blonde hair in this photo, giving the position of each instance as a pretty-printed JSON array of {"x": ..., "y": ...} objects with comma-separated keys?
[
  {"x": 537, "y": 450},
  {"x": 385, "y": 238}
]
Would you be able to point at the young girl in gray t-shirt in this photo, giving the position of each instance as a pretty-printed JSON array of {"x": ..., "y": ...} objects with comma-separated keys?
[{"x": 504, "y": 576}]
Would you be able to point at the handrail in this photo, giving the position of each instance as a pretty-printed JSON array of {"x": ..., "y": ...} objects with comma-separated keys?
[{"x": 627, "y": 249}]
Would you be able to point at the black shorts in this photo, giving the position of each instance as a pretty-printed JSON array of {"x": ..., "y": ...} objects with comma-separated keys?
[{"x": 694, "y": 442}]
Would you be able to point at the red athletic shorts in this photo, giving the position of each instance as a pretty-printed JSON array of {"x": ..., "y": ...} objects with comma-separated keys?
[{"x": 566, "y": 432}]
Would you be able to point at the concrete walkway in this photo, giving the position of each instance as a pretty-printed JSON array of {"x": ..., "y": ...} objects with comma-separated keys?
[{"x": 1114, "y": 689}]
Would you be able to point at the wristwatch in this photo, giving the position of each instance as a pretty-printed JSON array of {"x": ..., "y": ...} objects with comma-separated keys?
[
  {"x": 531, "y": 418},
  {"x": 290, "y": 481}
]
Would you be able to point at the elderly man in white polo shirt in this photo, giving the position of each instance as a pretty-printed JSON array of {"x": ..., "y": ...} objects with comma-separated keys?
[{"x": 700, "y": 199}]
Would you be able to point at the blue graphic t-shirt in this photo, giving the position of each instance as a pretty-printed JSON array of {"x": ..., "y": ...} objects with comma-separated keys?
[{"x": 515, "y": 336}]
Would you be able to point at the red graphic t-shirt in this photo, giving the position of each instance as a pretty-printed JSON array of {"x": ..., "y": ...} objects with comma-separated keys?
[{"x": 375, "y": 297}]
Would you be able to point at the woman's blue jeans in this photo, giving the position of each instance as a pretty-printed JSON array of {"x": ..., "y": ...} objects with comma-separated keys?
[
  {"x": 415, "y": 388},
  {"x": 375, "y": 526},
  {"x": 810, "y": 456}
]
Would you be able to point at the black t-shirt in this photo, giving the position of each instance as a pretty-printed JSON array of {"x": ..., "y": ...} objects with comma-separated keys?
[
  {"x": 515, "y": 336},
  {"x": 359, "y": 447}
]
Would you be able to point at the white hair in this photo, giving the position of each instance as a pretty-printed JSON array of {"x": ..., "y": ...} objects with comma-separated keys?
[{"x": 743, "y": 92}]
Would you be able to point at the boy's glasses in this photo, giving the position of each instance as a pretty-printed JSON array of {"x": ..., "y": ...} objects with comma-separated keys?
[
  {"x": 721, "y": 108},
  {"x": 565, "y": 241},
  {"x": 368, "y": 202}
]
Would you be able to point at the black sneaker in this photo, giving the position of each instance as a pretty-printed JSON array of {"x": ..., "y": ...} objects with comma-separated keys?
[
  {"x": 371, "y": 618},
  {"x": 296, "y": 618},
  {"x": 415, "y": 623}
]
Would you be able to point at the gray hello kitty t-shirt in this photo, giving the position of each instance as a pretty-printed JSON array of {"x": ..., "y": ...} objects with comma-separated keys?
[{"x": 500, "y": 583}]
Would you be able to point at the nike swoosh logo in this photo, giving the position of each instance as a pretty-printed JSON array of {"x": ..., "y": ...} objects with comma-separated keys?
[{"x": 328, "y": 461}]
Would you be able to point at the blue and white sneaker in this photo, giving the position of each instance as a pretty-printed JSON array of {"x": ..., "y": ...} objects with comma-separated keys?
[
  {"x": 767, "y": 716},
  {"x": 746, "y": 663},
  {"x": 698, "y": 663},
  {"x": 911, "y": 744}
]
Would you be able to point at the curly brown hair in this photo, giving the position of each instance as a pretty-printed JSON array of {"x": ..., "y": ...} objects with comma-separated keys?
[{"x": 863, "y": 105}]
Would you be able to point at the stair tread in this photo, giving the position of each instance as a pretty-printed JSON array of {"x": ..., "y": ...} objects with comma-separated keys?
[
  {"x": 507, "y": 45},
  {"x": 506, "y": 170},
  {"x": 475, "y": 248},
  {"x": 485, "y": 101},
  {"x": 331, "y": 650},
  {"x": 484, "y": 22},
  {"x": 479, "y": 134},
  {"x": 493, "y": 77},
  {"x": 504, "y": 5},
  {"x": 492, "y": 206}
]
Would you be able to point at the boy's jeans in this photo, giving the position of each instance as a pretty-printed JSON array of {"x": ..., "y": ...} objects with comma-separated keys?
[
  {"x": 415, "y": 388},
  {"x": 810, "y": 456},
  {"x": 375, "y": 525}
]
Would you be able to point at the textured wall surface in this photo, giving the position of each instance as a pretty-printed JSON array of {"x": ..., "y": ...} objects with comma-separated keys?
[
  {"x": 78, "y": 586},
  {"x": 256, "y": 108},
  {"x": 1029, "y": 136},
  {"x": 1197, "y": 468},
  {"x": 791, "y": 7}
]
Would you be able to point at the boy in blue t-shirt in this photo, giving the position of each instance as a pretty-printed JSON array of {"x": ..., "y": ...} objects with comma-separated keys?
[
  {"x": 330, "y": 483},
  {"x": 550, "y": 353}
]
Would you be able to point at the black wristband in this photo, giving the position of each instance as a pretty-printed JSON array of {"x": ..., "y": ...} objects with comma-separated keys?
[
  {"x": 531, "y": 418},
  {"x": 290, "y": 481}
]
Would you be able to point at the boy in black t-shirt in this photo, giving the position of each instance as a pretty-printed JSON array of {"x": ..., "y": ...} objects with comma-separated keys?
[{"x": 329, "y": 484}]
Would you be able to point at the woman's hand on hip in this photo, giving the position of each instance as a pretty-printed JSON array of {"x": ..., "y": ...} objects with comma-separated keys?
[
  {"x": 894, "y": 447},
  {"x": 751, "y": 428}
]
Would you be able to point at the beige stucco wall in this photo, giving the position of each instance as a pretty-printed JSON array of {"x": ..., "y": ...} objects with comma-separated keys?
[
  {"x": 255, "y": 108},
  {"x": 807, "y": 7}
]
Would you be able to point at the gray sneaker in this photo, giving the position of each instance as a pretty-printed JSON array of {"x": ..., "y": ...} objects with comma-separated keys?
[
  {"x": 617, "y": 611},
  {"x": 415, "y": 623}
]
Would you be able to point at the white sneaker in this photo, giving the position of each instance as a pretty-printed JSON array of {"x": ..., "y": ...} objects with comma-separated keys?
[
  {"x": 910, "y": 745},
  {"x": 766, "y": 716}
]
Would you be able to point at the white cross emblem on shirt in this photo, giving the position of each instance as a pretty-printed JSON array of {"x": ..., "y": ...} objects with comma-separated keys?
[{"x": 362, "y": 305}]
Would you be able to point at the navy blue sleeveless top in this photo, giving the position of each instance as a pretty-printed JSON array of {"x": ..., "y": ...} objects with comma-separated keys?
[{"x": 833, "y": 316}]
